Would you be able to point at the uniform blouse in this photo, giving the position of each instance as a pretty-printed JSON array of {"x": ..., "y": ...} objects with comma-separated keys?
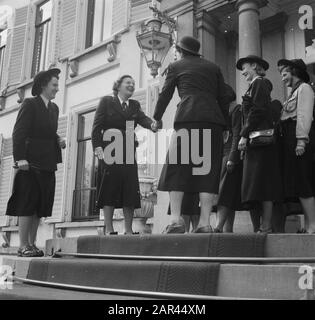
[{"x": 300, "y": 107}]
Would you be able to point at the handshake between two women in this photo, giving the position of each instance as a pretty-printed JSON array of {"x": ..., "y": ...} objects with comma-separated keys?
[{"x": 156, "y": 125}]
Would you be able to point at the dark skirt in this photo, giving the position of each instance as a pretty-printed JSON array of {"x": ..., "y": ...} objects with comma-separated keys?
[
  {"x": 261, "y": 176},
  {"x": 230, "y": 186},
  {"x": 33, "y": 193},
  {"x": 118, "y": 185},
  {"x": 181, "y": 175},
  {"x": 297, "y": 171}
]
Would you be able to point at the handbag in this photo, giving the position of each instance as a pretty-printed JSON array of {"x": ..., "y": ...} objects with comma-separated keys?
[
  {"x": 262, "y": 138},
  {"x": 267, "y": 137}
]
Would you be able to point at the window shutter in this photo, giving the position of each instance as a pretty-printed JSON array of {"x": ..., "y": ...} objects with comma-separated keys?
[
  {"x": 5, "y": 70},
  {"x": 68, "y": 14},
  {"x": 57, "y": 215},
  {"x": 140, "y": 10},
  {"x": 17, "y": 47},
  {"x": 55, "y": 33},
  {"x": 120, "y": 15},
  {"x": 6, "y": 178}
]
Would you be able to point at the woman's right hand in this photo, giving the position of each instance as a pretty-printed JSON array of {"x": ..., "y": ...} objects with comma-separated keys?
[
  {"x": 23, "y": 165},
  {"x": 99, "y": 153}
]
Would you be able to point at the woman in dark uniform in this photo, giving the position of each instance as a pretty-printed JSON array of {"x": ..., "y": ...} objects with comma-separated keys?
[
  {"x": 229, "y": 199},
  {"x": 118, "y": 186},
  {"x": 261, "y": 183},
  {"x": 199, "y": 121},
  {"x": 36, "y": 152},
  {"x": 297, "y": 139}
]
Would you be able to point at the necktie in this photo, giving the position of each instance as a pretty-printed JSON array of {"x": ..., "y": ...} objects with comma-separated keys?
[{"x": 124, "y": 106}]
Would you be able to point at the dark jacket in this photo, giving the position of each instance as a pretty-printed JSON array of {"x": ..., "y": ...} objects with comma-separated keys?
[
  {"x": 236, "y": 119},
  {"x": 110, "y": 115},
  {"x": 202, "y": 91},
  {"x": 35, "y": 136},
  {"x": 256, "y": 107}
]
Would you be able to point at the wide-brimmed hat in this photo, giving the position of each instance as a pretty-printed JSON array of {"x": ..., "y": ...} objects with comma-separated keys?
[
  {"x": 295, "y": 63},
  {"x": 189, "y": 44},
  {"x": 40, "y": 76},
  {"x": 252, "y": 59}
]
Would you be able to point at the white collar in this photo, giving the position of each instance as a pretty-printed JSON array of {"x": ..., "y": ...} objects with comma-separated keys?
[
  {"x": 254, "y": 79},
  {"x": 121, "y": 101},
  {"x": 46, "y": 101}
]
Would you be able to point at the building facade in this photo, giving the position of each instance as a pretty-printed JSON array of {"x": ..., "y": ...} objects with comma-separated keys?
[{"x": 93, "y": 42}]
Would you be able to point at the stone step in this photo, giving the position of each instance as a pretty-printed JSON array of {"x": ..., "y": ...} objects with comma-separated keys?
[
  {"x": 204, "y": 245},
  {"x": 30, "y": 292},
  {"x": 281, "y": 281}
]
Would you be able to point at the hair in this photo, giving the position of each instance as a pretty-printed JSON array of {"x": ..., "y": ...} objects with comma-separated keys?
[
  {"x": 118, "y": 83},
  {"x": 294, "y": 71},
  {"x": 46, "y": 79},
  {"x": 259, "y": 69}
]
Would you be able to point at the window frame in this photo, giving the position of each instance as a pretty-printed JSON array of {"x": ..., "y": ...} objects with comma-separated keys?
[
  {"x": 89, "y": 29},
  {"x": 48, "y": 21},
  {"x": 78, "y": 175}
]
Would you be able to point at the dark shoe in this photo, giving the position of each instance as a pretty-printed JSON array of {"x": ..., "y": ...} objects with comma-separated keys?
[
  {"x": 26, "y": 252},
  {"x": 216, "y": 230},
  {"x": 175, "y": 228},
  {"x": 134, "y": 233},
  {"x": 40, "y": 253},
  {"x": 204, "y": 229},
  {"x": 301, "y": 231},
  {"x": 113, "y": 233}
]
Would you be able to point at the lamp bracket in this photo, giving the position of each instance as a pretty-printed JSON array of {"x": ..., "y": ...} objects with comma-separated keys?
[{"x": 170, "y": 22}]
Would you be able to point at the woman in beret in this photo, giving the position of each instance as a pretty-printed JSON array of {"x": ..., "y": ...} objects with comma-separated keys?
[
  {"x": 36, "y": 152},
  {"x": 118, "y": 185},
  {"x": 297, "y": 140},
  {"x": 261, "y": 184}
]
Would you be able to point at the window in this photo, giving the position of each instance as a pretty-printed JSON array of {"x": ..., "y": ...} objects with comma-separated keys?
[
  {"x": 85, "y": 188},
  {"x": 98, "y": 26},
  {"x": 3, "y": 42},
  {"x": 42, "y": 37}
]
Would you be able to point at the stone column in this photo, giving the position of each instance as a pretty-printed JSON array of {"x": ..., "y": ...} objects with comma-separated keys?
[
  {"x": 249, "y": 36},
  {"x": 249, "y": 31}
]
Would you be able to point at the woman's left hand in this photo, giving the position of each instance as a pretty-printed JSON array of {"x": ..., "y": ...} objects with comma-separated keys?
[
  {"x": 300, "y": 148},
  {"x": 242, "y": 144}
]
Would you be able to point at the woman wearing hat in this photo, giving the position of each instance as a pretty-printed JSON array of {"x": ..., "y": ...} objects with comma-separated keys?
[
  {"x": 36, "y": 152},
  {"x": 297, "y": 141},
  {"x": 118, "y": 185},
  {"x": 203, "y": 109},
  {"x": 261, "y": 184}
]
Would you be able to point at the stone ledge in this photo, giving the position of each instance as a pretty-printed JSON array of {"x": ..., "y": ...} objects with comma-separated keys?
[{"x": 242, "y": 281}]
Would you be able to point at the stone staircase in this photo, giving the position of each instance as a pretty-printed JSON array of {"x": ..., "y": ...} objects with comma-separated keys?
[{"x": 190, "y": 266}]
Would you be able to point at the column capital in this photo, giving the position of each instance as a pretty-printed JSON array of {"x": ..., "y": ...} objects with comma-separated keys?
[
  {"x": 275, "y": 23},
  {"x": 255, "y": 5}
]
